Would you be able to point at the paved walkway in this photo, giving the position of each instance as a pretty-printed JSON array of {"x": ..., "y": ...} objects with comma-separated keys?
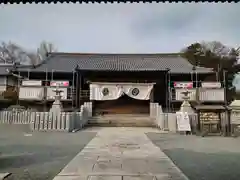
[{"x": 121, "y": 154}]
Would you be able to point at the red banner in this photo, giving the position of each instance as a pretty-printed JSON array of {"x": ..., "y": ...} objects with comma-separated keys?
[
  {"x": 59, "y": 83},
  {"x": 183, "y": 84}
]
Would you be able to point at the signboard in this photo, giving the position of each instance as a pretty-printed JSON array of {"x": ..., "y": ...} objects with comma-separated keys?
[
  {"x": 59, "y": 83},
  {"x": 183, "y": 84},
  {"x": 183, "y": 121},
  {"x": 31, "y": 83},
  {"x": 211, "y": 85}
]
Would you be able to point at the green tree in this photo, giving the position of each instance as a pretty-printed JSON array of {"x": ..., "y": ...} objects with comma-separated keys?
[{"x": 217, "y": 56}]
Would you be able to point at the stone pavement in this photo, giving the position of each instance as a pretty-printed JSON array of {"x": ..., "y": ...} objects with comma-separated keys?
[{"x": 121, "y": 154}]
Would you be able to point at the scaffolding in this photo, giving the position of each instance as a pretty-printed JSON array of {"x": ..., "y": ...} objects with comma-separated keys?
[
  {"x": 75, "y": 93},
  {"x": 46, "y": 82},
  {"x": 196, "y": 81}
]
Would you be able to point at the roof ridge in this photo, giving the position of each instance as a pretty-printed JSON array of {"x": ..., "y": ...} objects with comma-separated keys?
[
  {"x": 66, "y": 62},
  {"x": 114, "y": 54}
]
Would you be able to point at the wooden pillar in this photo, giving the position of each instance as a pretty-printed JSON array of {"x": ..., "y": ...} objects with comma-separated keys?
[
  {"x": 80, "y": 90},
  {"x": 152, "y": 95},
  {"x": 45, "y": 90},
  {"x": 73, "y": 89},
  {"x": 77, "y": 99},
  {"x": 166, "y": 90}
]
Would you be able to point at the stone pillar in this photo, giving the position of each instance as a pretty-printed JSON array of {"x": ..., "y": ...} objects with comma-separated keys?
[
  {"x": 160, "y": 118},
  {"x": 172, "y": 122}
]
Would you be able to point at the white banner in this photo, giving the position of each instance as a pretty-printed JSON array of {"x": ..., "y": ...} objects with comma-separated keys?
[
  {"x": 112, "y": 91},
  {"x": 183, "y": 121},
  {"x": 211, "y": 85},
  {"x": 138, "y": 91},
  {"x": 31, "y": 83},
  {"x": 59, "y": 83},
  {"x": 183, "y": 84},
  {"x": 105, "y": 92}
]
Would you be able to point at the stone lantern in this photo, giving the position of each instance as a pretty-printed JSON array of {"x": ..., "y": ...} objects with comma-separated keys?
[
  {"x": 186, "y": 106},
  {"x": 57, "y": 105}
]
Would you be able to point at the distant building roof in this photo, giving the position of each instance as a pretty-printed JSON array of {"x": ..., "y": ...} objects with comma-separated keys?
[
  {"x": 5, "y": 69},
  {"x": 67, "y": 62}
]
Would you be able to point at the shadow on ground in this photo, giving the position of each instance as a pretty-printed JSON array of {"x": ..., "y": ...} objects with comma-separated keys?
[
  {"x": 38, "y": 156},
  {"x": 202, "y": 158}
]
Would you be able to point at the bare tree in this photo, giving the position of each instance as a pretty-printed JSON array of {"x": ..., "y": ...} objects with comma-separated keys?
[
  {"x": 44, "y": 49},
  {"x": 217, "y": 48},
  {"x": 13, "y": 53}
]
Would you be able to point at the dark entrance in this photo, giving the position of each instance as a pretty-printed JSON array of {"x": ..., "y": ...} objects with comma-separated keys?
[{"x": 123, "y": 105}]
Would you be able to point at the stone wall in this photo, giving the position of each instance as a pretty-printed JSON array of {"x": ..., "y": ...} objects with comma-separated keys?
[
  {"x": 47, "y": 121},
  {"x": 167, "y": 121}
]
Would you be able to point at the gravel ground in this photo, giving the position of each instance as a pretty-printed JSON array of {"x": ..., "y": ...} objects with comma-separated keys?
[
  {"x": 208, "y": 158},
  {"x": 37, "y": 156}
]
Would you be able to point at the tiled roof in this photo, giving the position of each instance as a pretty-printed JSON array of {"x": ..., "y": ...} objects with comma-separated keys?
[
  {"x": 67, "y": 62},
  {"x": 4, "y": 69}
]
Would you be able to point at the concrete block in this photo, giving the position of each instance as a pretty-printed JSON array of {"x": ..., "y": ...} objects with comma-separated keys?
[{"x": 4, "y": 175}]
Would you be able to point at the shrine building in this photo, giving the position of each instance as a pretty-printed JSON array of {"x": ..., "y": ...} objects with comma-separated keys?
[{"x": 118, "y": 83}]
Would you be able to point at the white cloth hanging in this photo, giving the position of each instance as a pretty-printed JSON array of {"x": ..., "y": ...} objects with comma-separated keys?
[
  {"x": 138, "y": 91},
  {"x": 112, "y": 91},
  {"x": 105, "y": 92}
]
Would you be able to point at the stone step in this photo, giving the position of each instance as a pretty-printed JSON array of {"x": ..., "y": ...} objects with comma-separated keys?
[
  {"x": 118, "y": 120},
  {"x": 111, "y": 122},
  {"x": 122, "y": 117},
  {"x": 121, "y": 124},
  {"x": 126, "y": 115}
]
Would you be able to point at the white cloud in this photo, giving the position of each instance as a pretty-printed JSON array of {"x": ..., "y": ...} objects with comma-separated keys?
[{"x": 128, "y": 28}]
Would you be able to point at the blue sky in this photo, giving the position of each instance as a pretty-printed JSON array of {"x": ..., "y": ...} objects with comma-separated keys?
[{"x": 120, "y": 28}]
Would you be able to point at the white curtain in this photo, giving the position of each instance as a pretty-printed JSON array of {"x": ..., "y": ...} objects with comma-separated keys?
[
  {"x": 112, "y": 91},
  {"x": 138, "y": 91},
  {"x": 105, "y": 92}
]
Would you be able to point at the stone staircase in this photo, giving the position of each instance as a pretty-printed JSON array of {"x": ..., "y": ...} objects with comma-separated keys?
[{"x": 121, "y": 120}]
